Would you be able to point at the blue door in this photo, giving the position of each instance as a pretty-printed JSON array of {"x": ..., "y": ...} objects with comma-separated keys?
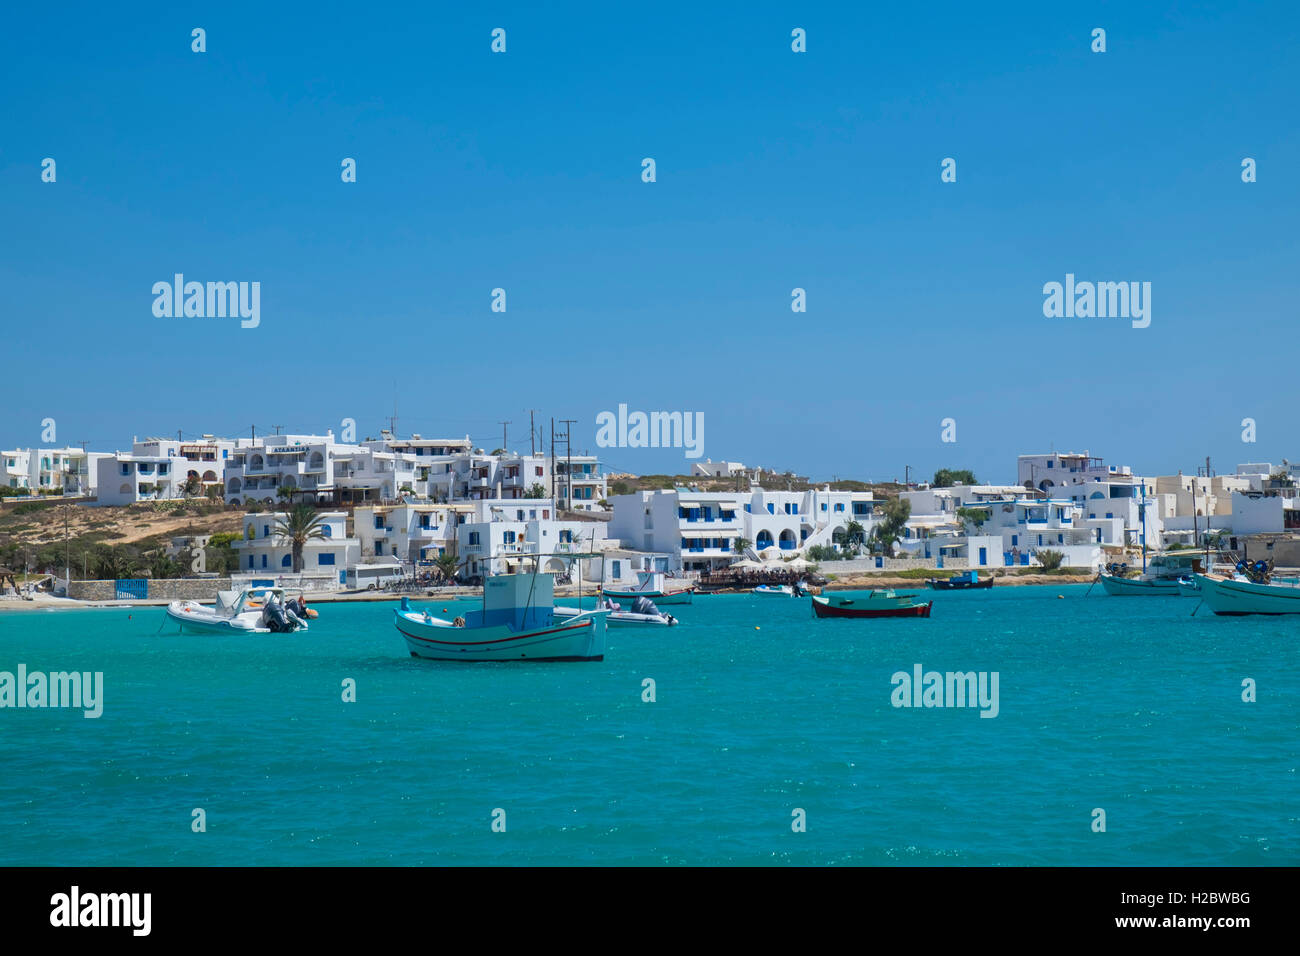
[{"x": 984, "y": 557}]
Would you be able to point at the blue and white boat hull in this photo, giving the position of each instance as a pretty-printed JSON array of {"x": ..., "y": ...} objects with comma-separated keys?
[
  {"x": 1235, "y": 596},
  {"x": 1138, "y": 587},
  {"x": 580, "y": 638}
]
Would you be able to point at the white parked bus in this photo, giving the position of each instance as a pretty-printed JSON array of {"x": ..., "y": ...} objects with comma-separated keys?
[{"x": 371, "y": 577}]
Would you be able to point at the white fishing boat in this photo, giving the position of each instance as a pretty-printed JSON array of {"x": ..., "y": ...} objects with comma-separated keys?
[
  {"x": 652, "y": 585},
  {"x": 518, "y": 622},
  {"x": 780, "y": 590},
  {"x": 259, "y": 610}
]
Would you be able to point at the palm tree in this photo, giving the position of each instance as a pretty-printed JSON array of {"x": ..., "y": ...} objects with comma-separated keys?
[
  {"x": 446, "y": 565},
  {"x": 112, "y": 564},
  {"x": 300, "y": 525}
]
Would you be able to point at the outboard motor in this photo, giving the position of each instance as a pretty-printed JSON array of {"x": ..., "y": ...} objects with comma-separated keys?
[
  {"x": 275, "y": 617},
  {"x": 643, "y": 605}
]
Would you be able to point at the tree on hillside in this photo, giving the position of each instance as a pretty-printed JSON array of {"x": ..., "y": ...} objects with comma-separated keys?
[
  {"x": 112, "y": 564},
  {"x": 947, "y": 477}
]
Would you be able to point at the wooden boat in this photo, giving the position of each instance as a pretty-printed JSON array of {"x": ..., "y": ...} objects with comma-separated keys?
[
  {"x": 1238, "y": 594},
  {"x": 967, "y": 581},
  {"x": 651, "y": 585},
  {"x": 518, "y": 622},
  {"x": 876, "y": 603},
  {"x": 1160, "y": 579}
]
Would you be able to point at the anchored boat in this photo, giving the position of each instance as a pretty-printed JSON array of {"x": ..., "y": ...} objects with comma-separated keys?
[
  {"x": 1251, "y": 590},
  {"x": 651, "y": 585},
  {"x": 643, "y": 614},
  {"x": 1159, "y": 579},
  {"x": 967, "y": 581},
  {"x": 876, "y": 603},
  {"x": 518, "y": 622},
  {"x": 259, "y": 610}
]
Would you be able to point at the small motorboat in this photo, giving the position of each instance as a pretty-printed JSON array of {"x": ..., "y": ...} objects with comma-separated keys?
[
  {"x": 881, "y": 602},
  {"x": 966, "y": 581},
  {"x": 643, "y": 614},
  {"x": 518, "y": 622},
  {"x": 260, "y": 610},
  {"x": 784, "y": 590}
]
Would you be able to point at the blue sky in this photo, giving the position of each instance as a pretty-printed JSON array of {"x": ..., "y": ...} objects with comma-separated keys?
[{"x": 775, "y": 170}]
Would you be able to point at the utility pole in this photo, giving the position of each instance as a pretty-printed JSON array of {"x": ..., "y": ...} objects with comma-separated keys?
[
  {"x": 253, "y": 431},
  {"x": 532, "y": 449},
  {"x": 568, "y": 455},
  {"x": 553, "y": 459},
  {"x": 504, "y": 432},
  {"x": 277, "y": 428}
]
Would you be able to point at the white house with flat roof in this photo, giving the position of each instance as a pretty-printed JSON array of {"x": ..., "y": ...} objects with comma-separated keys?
[
  {"x": 71, "y": 471},
  {"x": 507, "y": 543},
  {"x": 717, "y": 469},
  {"x": 1013, "y": 528},
  {"x": 199, "y": 463},
  {"x": 314, "y": 466},
  {"x": 125, "y": 478},
  {"x": 699, "y": 530},
  {"x": 1049, "y": 473},
  {"x": 413, "y": 533},
  {"x": 263, "y": 550}
]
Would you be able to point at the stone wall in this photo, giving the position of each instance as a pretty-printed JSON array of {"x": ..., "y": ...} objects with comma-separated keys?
[{"x": 163, "y": 589}]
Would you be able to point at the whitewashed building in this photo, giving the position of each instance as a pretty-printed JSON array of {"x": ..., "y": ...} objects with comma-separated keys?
[
  {"x": 71, "y": 471},
  {"x": 264, "y": 551},
  {"x": 699, "y": 531},
  {"x": 509, "y": 536},
  {"x": 412, "y": 533},
  {"x": 717, "y": 469},
  {"x": 314, "y": 466}
]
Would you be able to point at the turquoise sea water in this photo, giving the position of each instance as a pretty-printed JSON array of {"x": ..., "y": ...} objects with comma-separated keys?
[{"x": 1126, "y": 704}]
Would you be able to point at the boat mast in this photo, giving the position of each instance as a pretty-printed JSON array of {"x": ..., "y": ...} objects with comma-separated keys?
[{"x": 1142, "y": 513}]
